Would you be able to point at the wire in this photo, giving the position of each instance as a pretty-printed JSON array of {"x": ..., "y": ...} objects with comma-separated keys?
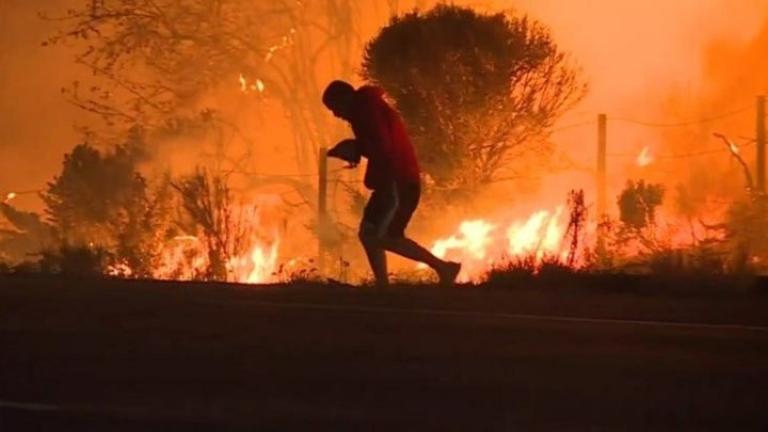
[
  {"x": 683, "y": 123},
  {"x": 571, "y": 126},
  {"x": 680, "y": 155},
  {"x": 293, "y": 175},
  {"x": 27, "y": 192}
]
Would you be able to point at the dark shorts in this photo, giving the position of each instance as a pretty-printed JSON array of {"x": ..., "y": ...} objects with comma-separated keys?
[{"x": 389, "y": 210}]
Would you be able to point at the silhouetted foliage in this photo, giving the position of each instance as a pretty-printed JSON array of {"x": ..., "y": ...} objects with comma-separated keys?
[
  {"x": 101, "y": 201},
  {"x": 27, "y": 235},
  {"x": 477, "y": 91},
  {"x": 77, "y": 261},
  {"x": 577, "y": 221},
  {"x": 638, "y": 203},
  {"x": 746, "y": 234},
  {"x": 94, "y": 193},
  {"x": 153, "y": 61},
  {"x": 225, "y": 226}
]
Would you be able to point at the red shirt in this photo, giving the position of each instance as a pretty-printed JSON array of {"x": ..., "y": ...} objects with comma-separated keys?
[{"x": 383, "y": 139}]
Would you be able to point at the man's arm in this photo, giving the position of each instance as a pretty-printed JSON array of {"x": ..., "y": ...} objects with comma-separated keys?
[{"x": 347, "y": 150}]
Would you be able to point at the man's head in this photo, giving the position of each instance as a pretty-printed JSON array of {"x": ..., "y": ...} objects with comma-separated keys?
[{"x": 338, "y": 97}]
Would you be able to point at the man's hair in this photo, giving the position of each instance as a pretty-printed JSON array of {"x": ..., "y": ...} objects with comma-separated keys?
[{"x": 336, "y": 91}]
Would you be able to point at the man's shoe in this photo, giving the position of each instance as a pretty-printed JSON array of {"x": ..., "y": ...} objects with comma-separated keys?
[{"x": 449, "y": 273}]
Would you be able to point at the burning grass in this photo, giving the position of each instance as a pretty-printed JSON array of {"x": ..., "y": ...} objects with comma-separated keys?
[{"x": 548, "y": 247}]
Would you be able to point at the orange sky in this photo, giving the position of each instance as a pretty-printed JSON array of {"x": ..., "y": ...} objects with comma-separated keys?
[{"x": 628, "y": 47}]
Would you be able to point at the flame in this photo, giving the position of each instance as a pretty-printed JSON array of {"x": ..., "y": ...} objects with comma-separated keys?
[
  {"x": 473, "y": 237},
  {"x": 258, "y": 265},
  {"x": 246, "y": 87},
  {"x": 186, "y": 257},
  {"x": 480, "y": 244},
  {"x": 733, "y": 147},
  {"x": 259, "y": 86},
  {"x": 285, "y": 41},
  {"x": 644, "y": 158},
  {"x": 270, "y": 54},
  {"x": 539, "y": 235},
  {"x": 10, "y": 196},
  {"x": 243, "y": 84}
]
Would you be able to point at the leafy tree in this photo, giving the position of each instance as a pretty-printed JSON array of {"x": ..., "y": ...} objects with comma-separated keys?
[
  {"x": 478, "y": 91},
  {"x": 154, "y": 62},
  {"x": 93, "y": 192},
  {"x": 638, "y": 203},
  {"x": 101, "y": 201}
]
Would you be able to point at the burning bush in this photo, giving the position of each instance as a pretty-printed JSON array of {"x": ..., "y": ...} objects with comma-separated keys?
[{"x": 228, "y": 230}]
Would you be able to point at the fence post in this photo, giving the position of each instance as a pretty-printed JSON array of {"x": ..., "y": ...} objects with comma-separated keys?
[
  {"x": 761, "y": 138},
  {"x": 601, "y": 179},
  {"x": 602, "y": 138},
  {"x": 322, "y": 208}
]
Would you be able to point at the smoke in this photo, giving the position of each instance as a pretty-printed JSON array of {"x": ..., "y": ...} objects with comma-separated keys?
[
  {"x": 36, "y": 124},
  {"x": 655, "y": 61},
  {"x": 650, "y": 64}
]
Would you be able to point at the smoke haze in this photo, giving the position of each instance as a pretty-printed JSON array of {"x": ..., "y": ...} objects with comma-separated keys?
[{"x": 650, "y": 60}]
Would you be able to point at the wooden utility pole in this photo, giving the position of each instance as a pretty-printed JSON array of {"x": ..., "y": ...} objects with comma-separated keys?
[
  {"x": 761, "y": 138},
  {"x": 602, "y": 141},
  {"x": 322, "y": 207}
]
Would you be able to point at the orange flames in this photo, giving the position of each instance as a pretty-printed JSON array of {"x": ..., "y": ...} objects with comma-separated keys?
[
  {"x": 258, "y": 265},
  {"x": 248, "y": 86},
  {"x": 479, "y": 244},
  {"x": 186, "y": 257}
]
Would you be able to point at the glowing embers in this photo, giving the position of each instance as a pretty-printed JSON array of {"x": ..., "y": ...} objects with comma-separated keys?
[
  {"x": 247, "y": 86},
  {"x": 645, "y": 157},
  {"x": 480, "y": 244}
]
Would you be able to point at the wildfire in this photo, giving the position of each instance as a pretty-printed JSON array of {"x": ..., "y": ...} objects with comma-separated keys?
[
  {"x": 645, "y": 158},
  {"x": 480, "y": 244},
  {"x": 10, "y": 196},
  {"x": 258, "y": 265},
  {"x": 187, "y": 257}
]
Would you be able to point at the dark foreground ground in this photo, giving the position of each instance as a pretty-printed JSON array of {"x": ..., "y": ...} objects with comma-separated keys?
[{"x": 159, "y": 356}]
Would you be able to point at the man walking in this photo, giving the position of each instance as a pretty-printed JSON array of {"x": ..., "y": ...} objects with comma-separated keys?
[{"x": 392, "y": 175}]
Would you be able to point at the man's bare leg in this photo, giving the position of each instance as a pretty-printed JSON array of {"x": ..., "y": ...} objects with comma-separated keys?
[
  {"x": 377, "y": 258},
  {"x": 447, "y": 271}
]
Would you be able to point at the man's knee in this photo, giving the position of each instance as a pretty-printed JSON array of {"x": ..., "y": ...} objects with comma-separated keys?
[{"x": 369, "y": 234}]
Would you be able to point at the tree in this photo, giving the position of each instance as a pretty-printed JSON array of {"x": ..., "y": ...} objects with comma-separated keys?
[
  {"x": 638, "y": 203},
  {"x": 101, "y": 201},
  {"x": 477, "y": 91},
  {"x": 93, "y": 193},
  {"x": 191, "y": 68},
  {"x": 154, "y": 61}
]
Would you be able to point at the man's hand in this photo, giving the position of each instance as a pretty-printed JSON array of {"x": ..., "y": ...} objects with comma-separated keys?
[{"x": 347, "y": 150}]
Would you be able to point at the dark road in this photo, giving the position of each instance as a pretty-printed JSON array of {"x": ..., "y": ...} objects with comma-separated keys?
[{"x": 141, "y": 356}]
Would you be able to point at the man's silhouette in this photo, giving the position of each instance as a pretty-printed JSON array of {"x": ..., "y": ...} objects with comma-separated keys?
[{"x": 392, "y": 175}]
